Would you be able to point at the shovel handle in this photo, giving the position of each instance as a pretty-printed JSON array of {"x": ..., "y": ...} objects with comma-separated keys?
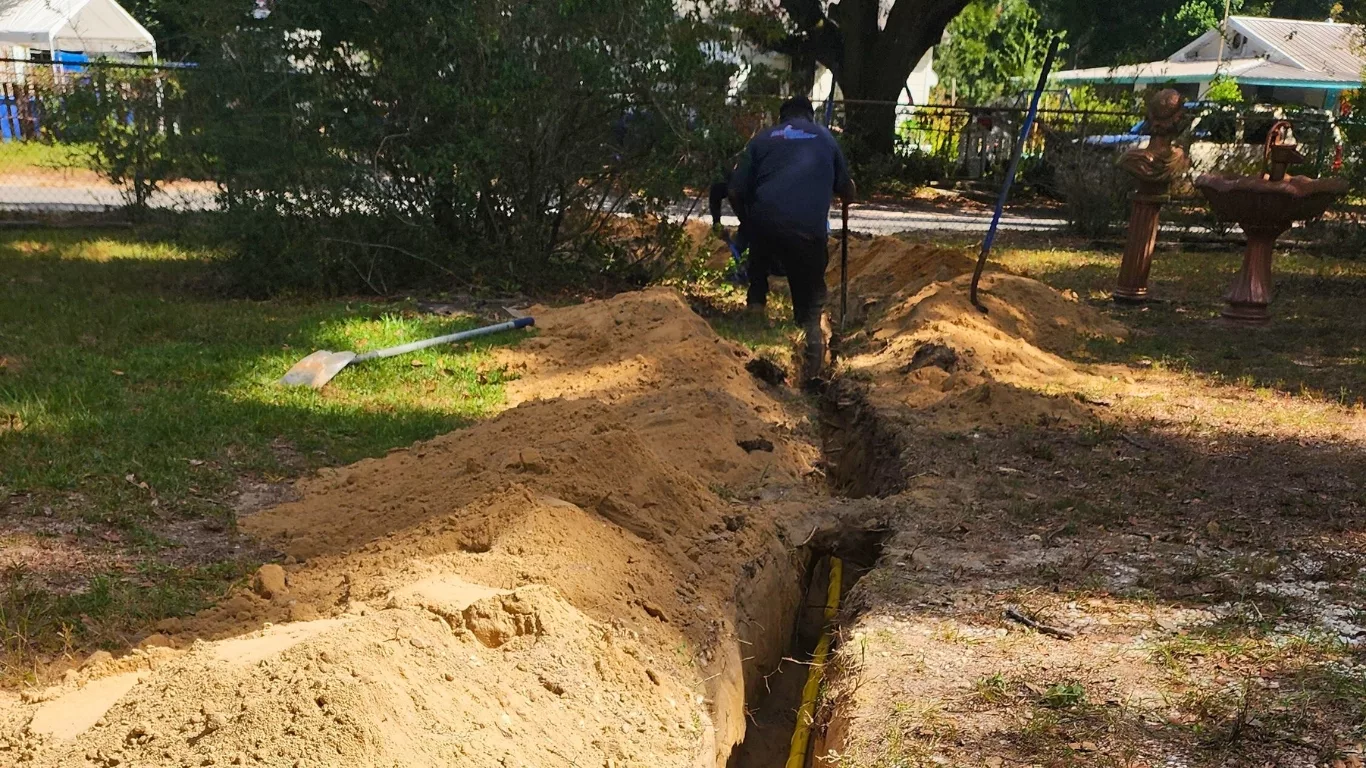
[
  {"x": 523, "y": 322},
  {"x": 844, "y": 265}
]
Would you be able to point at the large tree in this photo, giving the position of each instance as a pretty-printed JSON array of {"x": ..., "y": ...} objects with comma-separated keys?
[
  {"x": 993, "y": 47},
  {"x": 871, "y": 46}
]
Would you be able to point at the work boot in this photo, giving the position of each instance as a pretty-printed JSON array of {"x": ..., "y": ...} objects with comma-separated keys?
[{"x": 813, "y": 365}]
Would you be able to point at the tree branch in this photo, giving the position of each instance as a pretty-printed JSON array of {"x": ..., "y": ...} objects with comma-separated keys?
[
  {"x": 913, "y": 27},
  {"x": 806, "y": 14}
]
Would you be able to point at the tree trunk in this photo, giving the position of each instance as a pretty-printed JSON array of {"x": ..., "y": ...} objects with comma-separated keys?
[{"x": 872, "y": 55}]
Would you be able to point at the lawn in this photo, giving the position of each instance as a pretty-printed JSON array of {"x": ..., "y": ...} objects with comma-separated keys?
[
  {"x": 140, "y": 415},
  {"x": 20, "y": 156},
  {"x": 1315, "y": 346}
]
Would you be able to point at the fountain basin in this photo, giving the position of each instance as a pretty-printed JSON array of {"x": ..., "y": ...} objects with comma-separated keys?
[
  {"x": 1265, "y": 209},
  {"x": 1262, "y": 203}
]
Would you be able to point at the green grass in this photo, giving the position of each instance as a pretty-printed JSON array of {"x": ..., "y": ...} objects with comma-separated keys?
[
  {"x": 133, "y": 395},
  {"x": 16, "y": 156},
  {"x": 772, "y": 336},
  {"x": 1313, "y": 348}
]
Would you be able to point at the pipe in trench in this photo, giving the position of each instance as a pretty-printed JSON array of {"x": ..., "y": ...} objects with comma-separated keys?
[{"x": 801, "y": 737}]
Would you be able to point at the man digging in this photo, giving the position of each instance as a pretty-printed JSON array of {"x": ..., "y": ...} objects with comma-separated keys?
[{"x": 785, "y": 183}]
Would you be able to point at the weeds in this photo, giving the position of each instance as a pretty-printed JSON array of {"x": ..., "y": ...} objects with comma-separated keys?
[
  {"x": 1064, "y": 695},
  {"x": 111, "y": 610},
  {"x": 993, "y": 689}
]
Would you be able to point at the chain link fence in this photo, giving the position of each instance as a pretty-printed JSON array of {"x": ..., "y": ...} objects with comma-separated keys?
[
  {"x": 53, "y": 163},
  {"x": 61, "y": 154},
  {"x": 974, "y": 143}
]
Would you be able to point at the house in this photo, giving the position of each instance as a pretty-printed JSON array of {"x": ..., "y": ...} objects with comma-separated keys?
[
  {"x": 58, "y": 30},
  {"x": 923, "y": 79},
  {"x": 1275, "y": 61}
]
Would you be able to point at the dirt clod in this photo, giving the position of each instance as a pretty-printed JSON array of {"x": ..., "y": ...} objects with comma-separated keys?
[
  {"x": 270, "y": 581},
  {"x": 157, "y": 640},
  {"x": 937, "y": 355},
  {"x": 96, "y": 659},
  {"x": 767, "y": 371}
]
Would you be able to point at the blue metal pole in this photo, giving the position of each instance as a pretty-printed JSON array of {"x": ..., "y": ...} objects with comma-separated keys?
[{"x": 1014, "y": 168}]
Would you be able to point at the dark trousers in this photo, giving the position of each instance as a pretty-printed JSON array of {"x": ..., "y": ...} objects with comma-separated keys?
[{"x": 803, "y": 257}]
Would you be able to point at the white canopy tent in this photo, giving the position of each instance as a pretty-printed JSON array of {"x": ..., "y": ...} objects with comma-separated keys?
[{"x": 92, "y": 27}]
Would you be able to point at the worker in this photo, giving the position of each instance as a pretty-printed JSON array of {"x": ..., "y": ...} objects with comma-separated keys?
[{"x": 784, "y": 184}]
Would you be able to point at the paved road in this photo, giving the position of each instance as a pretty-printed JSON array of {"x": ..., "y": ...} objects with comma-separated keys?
[
  {"x": 877, "y": 221},
  {"x": 885, "y": 222},
  {"x": 91, "y": 198}
]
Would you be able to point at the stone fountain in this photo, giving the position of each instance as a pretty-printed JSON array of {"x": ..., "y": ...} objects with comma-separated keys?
[{"x": 1266, "y": 207}]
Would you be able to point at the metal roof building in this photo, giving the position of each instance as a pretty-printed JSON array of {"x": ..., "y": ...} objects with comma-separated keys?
[
  {"x": 1284, "y": 60},
  {"x": 92, "y": 27}
]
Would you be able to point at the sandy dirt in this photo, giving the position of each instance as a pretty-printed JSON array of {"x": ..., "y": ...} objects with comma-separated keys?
[
  {"x": 934, "y": 355},
  {"x": 586, "y": 579},
  {"x": 603, "y": 575},
  {"x": 1201, "y": 541}
]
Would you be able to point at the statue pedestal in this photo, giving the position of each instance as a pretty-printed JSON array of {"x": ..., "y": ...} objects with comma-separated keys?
[
  {"x": 1250, "y": 295},
  {"x": 1138, "y": 253},
  {"x": 1155, "y": 167}
]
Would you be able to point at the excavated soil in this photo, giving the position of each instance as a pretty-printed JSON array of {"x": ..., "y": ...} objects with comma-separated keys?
[
  {"x": 955, "y": 368},
  {"x": 595, "y": 577},
  {"x": 605, "y": 574},
  {"x": 1199, "y": 574}
]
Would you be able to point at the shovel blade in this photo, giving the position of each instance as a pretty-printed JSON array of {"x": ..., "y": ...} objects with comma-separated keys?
[{"x": 317, "y": 369}]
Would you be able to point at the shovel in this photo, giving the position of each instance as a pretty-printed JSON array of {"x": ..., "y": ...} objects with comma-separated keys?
[{"x": 322, "y": 366}]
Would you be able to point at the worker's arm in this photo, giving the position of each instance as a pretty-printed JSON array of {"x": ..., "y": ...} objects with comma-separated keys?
[
  {"x": 719, "y": 191},
  {"x": 741, "y": 182}
]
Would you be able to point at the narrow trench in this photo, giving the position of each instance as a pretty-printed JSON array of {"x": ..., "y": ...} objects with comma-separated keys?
[{"x": 862, "y": 460}]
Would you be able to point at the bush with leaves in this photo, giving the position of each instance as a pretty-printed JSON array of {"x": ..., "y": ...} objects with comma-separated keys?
[
  {"x": 374, "y": 145},
  {"x": 121, "y": 115},
  {"x": 1094, "y": 191}
]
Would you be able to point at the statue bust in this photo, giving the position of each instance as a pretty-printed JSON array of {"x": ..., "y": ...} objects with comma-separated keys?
[{"x": 1160, "y": 163}]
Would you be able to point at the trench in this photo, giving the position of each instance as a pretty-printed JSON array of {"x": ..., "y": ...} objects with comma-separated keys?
[{"x": 862, "y": 459}]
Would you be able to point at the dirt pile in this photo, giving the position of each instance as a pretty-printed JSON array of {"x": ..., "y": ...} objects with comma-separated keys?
[
  {"x": 592, "y": 578},
  {"x": 1158, "y": 586},
  {"x": 715, "y": 250},
  {"x": 884, "y": 269},
  {"x": 930, "y": 352}
]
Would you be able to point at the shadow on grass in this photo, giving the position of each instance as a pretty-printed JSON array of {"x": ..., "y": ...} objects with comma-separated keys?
[
  {"x": 1214, "y": 576},
  {"x": 1314, "y": 346}
]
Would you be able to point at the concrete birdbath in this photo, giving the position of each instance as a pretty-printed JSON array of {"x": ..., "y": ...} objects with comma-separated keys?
[{"x": 1266, "y": 207}]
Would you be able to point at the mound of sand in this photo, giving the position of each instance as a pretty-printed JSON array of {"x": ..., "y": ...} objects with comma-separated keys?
[
  {"x": 885, "y": 268},
  {"x": 593, "y": 578},
  {"x": 704, "y": 241},
  {"x": 931, "y": 353}
]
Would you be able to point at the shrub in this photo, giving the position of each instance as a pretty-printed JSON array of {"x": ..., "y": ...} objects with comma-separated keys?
[
  {"x": 1093, "y": 190},
  {"x": 119, "y": 115},
  {"x": 489, "y": 143},
  {"x": 899, "y": 174}
]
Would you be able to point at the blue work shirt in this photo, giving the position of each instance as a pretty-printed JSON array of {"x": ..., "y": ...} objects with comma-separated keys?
[{"x": 788, "y": 177}]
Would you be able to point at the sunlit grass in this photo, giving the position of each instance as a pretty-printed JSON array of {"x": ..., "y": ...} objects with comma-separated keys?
[
  {"x": 134, "y": 394},
  {"x": 18, "y": 156},
  {"x": 115, "y": 366},
  {"x": 1313, "y": 348}
]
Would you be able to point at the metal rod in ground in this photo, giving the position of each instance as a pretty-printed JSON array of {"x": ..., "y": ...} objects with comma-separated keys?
[
  {"x": 1014, "y": 168},
  {"x": 844, "y": 264}
]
